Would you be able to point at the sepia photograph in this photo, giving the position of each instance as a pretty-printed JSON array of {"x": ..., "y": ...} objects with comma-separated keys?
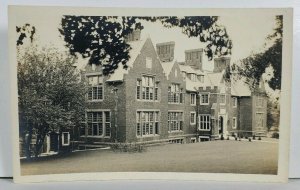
[{"x": 197, "y": 91}]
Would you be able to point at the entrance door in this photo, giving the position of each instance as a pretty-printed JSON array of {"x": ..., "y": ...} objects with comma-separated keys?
[
  {"x": 54, "y": 142},
  {"x": 221, "y": 125}
]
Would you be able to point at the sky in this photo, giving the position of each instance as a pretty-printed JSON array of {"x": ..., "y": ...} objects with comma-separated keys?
[{"x": 247, "y": 32}]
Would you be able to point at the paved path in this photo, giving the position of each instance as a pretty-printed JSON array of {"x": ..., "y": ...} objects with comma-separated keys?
[{"x": 212, "y": 157}]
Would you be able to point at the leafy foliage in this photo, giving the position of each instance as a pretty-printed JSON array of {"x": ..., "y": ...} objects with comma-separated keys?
[
  {"x": 102, "y": 38},
  {"x": 24, "y": 32},
  {"x": 51, "y": 95},
  {"x": 254, "y": 66}
]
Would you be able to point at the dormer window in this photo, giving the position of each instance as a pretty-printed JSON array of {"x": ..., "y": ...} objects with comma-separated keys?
[{"x": 193, "y": 77}]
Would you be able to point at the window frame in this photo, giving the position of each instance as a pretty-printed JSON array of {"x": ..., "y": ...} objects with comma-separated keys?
[
  {"x": 63, "y": 139},
  {"x": 207, "y": 122},
  {"x": 153, "y": 123},
  {"x": 201, "y": 98},
  {"x": 175, "y": 96},
  {"x": 234, "y": 123},
  {"x": 195, "y": 118},
  {"x": 173, "y": 118},
  {"x": 193, "y": 99},
  {"x": 103, "y": 123},
  {"x": 99, "y": 87},
  {"x": 234, "y": 105}
]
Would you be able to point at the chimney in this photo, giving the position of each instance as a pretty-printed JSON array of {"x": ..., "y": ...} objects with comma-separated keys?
[
  {"x": 193, "y": 57},
  {"x": 165, "y": 51},
  {"x": 135, "y": 35},
  {"x": 220, "y": 63}
]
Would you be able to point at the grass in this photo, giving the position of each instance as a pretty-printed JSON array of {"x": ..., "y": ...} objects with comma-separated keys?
[{"x": 205, "y": 157}]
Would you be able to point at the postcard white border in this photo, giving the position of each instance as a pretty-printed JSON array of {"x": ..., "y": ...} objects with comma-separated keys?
[{"x": 282, "y": 176}]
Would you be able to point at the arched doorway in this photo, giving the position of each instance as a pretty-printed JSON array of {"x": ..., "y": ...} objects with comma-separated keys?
[{"x": 221, "y": 124}]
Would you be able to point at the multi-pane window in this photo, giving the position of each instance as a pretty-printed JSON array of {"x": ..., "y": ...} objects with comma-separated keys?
[
  {"x": 193, "y": 77},
  {"x": 147, "y": 88},
  {"x": 234, "y": 101},
  {"x": 204, "y": 122},
  {"x": 175, "y": 94},
  {"x": 95, "y": 87},
  {"x": 204, "y": 99},
  {"x": 193, "y": 118},
  {"x": 234, "y": 123},
  {"x": 175, "y": 121},
  {"x": 193, "y": 99},
  {"x": 222, "y": 98},
  {"x": 259, "y": 102},
  {"x": 138, "y": 89},
  {"x": 99, "y": 123},
  {"x": 147, "y": 123}
]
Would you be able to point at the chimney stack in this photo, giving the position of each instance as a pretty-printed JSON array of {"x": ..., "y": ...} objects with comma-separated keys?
[
  {"x": 135, "y": 35},
  {"x": 193, "y": 57},
  {"x": 220, "y": 63},
  {"x": 165, "y": 51}
]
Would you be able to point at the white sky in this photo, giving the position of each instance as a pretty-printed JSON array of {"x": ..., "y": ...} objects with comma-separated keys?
[{"x": 248, "y": 33}]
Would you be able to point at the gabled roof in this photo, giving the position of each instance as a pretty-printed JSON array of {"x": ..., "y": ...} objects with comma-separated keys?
[
  {"x": 239, "y": 88},
  {"x": 189, "y": 69},
  {"x": 212, "y": 79},
  {"x": 191, "y": 85},
  {"x": 167, "y": 67},
  {"x": 136, "y": 46}
]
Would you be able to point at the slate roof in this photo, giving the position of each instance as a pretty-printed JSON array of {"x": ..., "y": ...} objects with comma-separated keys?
[{"x": 136, "y": 46}]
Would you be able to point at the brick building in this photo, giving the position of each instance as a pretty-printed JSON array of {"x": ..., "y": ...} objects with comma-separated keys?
[{"x": 158, "y": 99}]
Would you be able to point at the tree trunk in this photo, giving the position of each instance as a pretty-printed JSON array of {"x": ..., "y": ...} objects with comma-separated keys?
[
  {"x": 39, "y": 142},
  {"x": 27, "y": 140}
]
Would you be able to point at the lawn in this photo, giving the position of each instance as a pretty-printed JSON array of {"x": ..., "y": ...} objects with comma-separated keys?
[{"x": 226, "y": 156}]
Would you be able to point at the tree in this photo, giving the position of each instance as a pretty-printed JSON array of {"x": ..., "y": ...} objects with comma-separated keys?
[
  {"x": 102, "y": 38},
  {"x": 51, "y": 95},
  {"x": 255, "y": 65}
]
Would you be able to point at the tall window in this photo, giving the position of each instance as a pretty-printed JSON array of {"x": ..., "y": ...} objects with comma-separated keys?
[
  {"x": 222, "y": 98},
  {"x": 204, "y": 122},
  {"x": 193, "y": 99},
  {"x": 99, "y": 123},
  {"x": 175, "y": 121},
  {"x": 65, "y": 139},
  {"x": 234, "y": 123},
  {"x": 175, "y": 94},
  {"x": 147, "y": 123},
  {"x": 204, "y": 99},
  {"x": 156, "y": 91},
  {"x": 138, "y": 89},
  {"x": 234, "y": 101},
  {"x": 96, "y": 87},
  {"x": 147, "y": 88},
  {"x": 193, "y": 118}
]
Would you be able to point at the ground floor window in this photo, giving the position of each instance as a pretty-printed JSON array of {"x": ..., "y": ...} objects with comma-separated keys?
[
  {"x": 147, "y": 123},
  {"x": 65, "y": 138},
  {"x": 175, "y": 121},
  {"x": 99, "y": 123},
  {"x": 234, "y": 123},
  {"x": 204, "y": 122}
]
